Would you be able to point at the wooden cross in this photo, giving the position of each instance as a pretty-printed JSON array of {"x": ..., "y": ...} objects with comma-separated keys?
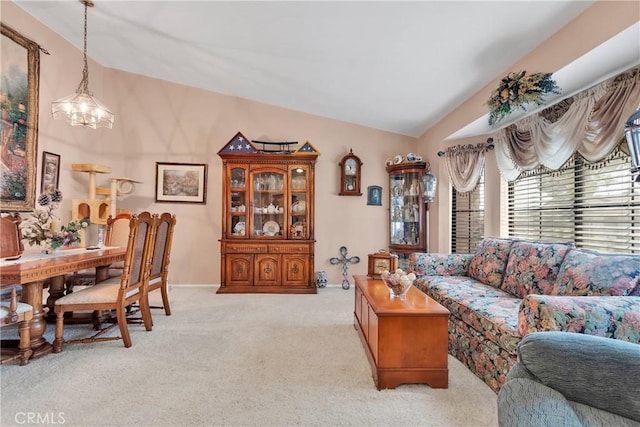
[{"x": 345, "y": 265}]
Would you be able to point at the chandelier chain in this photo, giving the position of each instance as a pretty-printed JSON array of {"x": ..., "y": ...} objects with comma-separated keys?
[{"x": 83, "y": 87}]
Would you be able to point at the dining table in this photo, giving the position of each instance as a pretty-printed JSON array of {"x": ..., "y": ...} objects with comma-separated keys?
[{"x": 32, "y": 269}]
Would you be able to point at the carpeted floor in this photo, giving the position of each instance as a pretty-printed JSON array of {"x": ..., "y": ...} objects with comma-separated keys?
[{"x": 234, "y": 360}]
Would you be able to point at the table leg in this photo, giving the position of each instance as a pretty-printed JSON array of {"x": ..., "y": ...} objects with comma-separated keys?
[
  {"x": 32, "y": 294},
  {"x": 102, "y": 273},
  {"x": 56, "y": 290}
]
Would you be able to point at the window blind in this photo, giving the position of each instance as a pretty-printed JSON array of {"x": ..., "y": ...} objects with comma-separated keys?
[
  {"x": 467, "y": 219},
  {"x": 597, "y": 206}
]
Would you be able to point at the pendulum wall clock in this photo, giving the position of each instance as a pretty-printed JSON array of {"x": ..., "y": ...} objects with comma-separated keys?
[{"x": 350, "y": 175}]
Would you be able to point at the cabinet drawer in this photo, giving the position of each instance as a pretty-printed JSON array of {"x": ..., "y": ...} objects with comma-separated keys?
[
  {"x": 288, "y": 249},
  {"x": 246, "y": 249}
]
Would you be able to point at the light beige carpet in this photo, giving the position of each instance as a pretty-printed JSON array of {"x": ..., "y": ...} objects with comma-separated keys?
[{"x": 233, "y": 360}]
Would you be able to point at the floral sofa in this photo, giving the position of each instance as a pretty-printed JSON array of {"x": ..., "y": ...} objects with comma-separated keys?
[{"x": 513, "y": 287}]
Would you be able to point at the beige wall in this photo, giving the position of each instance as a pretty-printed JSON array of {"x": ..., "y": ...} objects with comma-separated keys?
[
  {"x": 161, "y": 121},
  {"x": 597, "y": 24}
]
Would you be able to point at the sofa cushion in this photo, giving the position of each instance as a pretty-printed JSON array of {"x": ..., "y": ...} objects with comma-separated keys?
[
  {"x": 587, "y": 273},
  {"x": 605, "y": 316},
  {"x": 488, "y": 310},
  {"x": 438, "y": 264},
  {"x": 533, "y": 268},
  {"x": 595, "y": 371},
  {"x": 496, "y": 318},
  {"x": 457, "y": 287},
  {"x": 489, "y": 262}
]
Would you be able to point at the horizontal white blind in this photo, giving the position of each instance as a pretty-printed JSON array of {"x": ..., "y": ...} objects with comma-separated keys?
[
  {"x": 467, "y": 219},
  {"x": 597, "y": 206}
]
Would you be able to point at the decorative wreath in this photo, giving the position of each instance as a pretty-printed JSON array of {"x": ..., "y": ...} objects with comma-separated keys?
[{"x": 516, "y": 90}]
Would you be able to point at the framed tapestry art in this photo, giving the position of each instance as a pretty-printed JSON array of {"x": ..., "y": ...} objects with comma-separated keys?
[
  {"x": 181, "y": 182},
  {"x": 20, "y": 63},
  {"x": 374, "y": 195},
  {"x": 50, "y": 174}
]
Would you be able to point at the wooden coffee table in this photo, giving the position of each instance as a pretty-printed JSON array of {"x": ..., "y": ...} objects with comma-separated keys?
[{"x": 405, "y": 339}]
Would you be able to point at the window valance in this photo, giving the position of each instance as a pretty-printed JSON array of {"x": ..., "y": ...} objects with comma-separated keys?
[
  {"x": 465, "y": 164},
  {"x": 591, "y": 123}
]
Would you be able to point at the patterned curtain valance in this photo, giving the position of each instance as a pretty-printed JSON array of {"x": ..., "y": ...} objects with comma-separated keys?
[
  {"x": 590, "y": 123},
  {"x": 465, "y": 164}
]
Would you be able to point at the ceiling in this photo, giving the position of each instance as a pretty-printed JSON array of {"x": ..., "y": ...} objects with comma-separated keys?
[{"x": 396, "y": 66}]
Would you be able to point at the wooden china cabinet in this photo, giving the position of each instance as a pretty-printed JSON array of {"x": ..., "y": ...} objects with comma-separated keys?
[
  {"x": 407, "y": 210},
  {"x": 267, "y": 243}
]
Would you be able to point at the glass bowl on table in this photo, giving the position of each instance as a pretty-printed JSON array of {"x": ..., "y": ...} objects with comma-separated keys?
[{"x": 398, "y": 282}]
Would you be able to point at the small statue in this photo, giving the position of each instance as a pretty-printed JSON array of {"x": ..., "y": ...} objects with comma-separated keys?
[{"x": 321, "y": 279}]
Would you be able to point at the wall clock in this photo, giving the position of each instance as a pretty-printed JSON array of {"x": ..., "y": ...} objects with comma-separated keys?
[{"x": 350, "y": 174}]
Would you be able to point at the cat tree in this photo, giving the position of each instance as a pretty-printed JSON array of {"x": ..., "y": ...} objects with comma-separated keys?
[{"x": 94, "y": 208}]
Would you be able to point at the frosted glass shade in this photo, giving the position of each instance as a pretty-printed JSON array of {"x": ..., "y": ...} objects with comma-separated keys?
[{"x": 81, "y": 109}]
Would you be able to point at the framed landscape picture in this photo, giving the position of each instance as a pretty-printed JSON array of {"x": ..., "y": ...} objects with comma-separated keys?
[
  {"x": 181, "y": 182},
  {"x": 50, "y": 174},
  {"x": 20, "y": 70}
]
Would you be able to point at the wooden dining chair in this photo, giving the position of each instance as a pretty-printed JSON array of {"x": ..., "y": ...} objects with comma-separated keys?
[
  {"x": 116, "y": 234},
  {"x": 13, "y": 312},
  {"x": 17, "y": 313},
  {"x": 116, "y": 293},
  {"x": 10, "y": 236},
  {"x": 165, "y": 223}
]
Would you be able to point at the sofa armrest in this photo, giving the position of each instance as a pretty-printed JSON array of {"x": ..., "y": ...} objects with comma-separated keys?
[
  {"x": 594, "y": 371},
  {"x": 607, "y": 316},
  {"x": 435, "y": 264}
]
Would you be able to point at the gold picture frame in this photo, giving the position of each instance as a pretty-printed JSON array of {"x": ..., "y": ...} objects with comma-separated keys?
[
  {"x": 19, "y": 131},
  {"x": 181, "y": 183}
]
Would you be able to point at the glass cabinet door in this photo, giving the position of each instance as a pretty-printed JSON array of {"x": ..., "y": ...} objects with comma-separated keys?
[
  {"x": 268, "y": 204},
  {"x": 238, "y": 203},
  {"x": 405, "y": 209},
  {"x": 298, "y": 205}
]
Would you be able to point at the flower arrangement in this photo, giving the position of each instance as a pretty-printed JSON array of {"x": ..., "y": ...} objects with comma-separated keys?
[
  {"x": 518, "y": 89},
  {"x": 43, "y": 226}
]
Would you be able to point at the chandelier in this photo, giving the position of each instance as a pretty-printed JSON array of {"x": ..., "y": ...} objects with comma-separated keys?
[{"x": 81, "y": 108}]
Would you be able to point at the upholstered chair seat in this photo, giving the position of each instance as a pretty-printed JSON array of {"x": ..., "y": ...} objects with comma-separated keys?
[{"x": 103, "y": 292}]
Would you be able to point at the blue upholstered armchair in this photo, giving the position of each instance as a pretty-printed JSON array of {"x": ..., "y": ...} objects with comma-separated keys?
[{"x": 572, "y": 379}]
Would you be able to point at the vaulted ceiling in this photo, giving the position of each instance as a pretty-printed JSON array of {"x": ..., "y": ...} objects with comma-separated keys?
[{"x": 396, "y": 66}]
